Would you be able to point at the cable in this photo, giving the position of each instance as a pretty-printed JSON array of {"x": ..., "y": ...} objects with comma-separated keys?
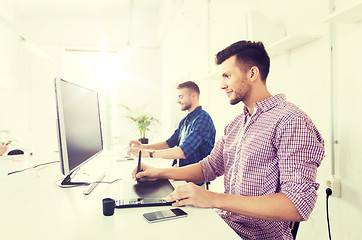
[
  {"x": 328, "y": 193},
  {"x": 118, "y": 179},
  {"x": 42, "y": 164},
  {"x": 22, "y": 170},
  {"x": 71, "y": 186}
]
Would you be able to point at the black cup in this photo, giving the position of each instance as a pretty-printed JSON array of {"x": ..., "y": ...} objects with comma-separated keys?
[{"x": 108, "y": 206}]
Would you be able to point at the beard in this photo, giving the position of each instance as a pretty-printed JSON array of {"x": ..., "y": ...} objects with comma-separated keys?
[
  {"x": 185, "y": 107},
  {"x": 241, "y": 94},
  {"x": 238, "y": 98}
]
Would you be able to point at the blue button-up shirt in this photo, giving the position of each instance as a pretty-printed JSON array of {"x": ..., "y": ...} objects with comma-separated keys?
[{"x": 198, "y": 139}]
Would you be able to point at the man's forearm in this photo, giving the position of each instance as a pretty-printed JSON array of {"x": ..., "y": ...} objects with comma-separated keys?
[
  {"x": 274, "y": 207},
  {"x": 190, "y": 173},
  {"x": 171, "y": 153},
  {"x": 156, "y": 146}
]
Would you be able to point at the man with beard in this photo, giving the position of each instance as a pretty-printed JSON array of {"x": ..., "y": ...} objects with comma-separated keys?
[
  {"x": 194, "y": 138},
  {"x": 269, "y": 155}
]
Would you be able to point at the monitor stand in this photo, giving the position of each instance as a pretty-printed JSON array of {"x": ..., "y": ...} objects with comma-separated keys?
[{"x": 67, "y": 181}]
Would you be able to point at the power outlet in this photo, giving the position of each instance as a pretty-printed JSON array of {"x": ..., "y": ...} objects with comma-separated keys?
[{"x": 335, "y": 185}]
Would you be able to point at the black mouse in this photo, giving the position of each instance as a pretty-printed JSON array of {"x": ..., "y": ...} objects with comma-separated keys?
[{"x": 16, "y": 152}]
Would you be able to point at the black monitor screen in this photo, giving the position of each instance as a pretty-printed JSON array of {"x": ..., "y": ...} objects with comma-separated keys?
[{"x": 79, "y": 125}]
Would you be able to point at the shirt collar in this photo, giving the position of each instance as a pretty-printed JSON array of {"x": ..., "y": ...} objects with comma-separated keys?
[
  {"x": 267, "y": 104},
  {"x": 194, "y": 113}
]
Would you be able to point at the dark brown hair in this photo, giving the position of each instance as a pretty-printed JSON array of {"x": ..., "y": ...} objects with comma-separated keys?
[{"x": 248, "y": 54}]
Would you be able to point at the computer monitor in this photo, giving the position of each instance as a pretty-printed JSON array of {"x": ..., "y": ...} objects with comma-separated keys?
[{"x": 79, "y": 127}]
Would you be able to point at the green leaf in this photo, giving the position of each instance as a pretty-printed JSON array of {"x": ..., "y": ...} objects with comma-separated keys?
[{"x": 140, "y": 119}]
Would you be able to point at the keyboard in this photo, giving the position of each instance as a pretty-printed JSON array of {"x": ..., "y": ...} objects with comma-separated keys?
[{"x": 141, "y": 202}]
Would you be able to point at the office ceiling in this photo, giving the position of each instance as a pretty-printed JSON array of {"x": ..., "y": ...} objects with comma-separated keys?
[
  {"x": 136, "y": 23},
  {"x": 118, "y": 23}
]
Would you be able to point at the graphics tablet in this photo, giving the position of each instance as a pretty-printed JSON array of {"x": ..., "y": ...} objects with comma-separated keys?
[{"x": 144, "y": 194}]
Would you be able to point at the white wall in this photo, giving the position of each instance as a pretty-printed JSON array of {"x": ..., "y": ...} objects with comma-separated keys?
[
  {"x": 26, "y": 91},
  {"x": 348, "y": 211},
  {"x": 302, "y": 73}
]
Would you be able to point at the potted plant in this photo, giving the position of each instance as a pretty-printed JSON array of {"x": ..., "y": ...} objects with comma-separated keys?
[{"x": 142, "y": 120}]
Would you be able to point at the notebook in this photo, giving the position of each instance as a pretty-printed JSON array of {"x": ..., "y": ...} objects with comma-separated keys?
[{"x": 144, "y": 194}]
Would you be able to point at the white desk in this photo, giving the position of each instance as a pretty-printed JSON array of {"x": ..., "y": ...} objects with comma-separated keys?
[{"x": 33, "y": 207}]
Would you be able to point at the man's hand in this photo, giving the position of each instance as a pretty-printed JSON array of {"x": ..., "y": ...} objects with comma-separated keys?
[
  {"x": 191, "y": 194},
  {"x": 135, "y": 143},
  {"x": 147, "y": 173},
  {"x": 135, "y": 151},
  {"x": 134, "y": 148}
]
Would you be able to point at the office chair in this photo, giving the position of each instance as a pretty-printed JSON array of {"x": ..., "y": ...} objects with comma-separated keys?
[{"x": 294, "y": 227}]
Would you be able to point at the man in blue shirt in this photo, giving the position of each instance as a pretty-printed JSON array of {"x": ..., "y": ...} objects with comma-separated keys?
[{"x": 192, "y": 140}]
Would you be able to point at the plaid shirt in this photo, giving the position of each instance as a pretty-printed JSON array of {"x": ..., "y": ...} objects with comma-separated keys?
[
  {"x": 278, "y": 151},
  {"x": 199, "y": 136}
]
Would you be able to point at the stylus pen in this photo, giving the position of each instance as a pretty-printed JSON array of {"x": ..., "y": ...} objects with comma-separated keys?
[{"x": 139, "y": 164}]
